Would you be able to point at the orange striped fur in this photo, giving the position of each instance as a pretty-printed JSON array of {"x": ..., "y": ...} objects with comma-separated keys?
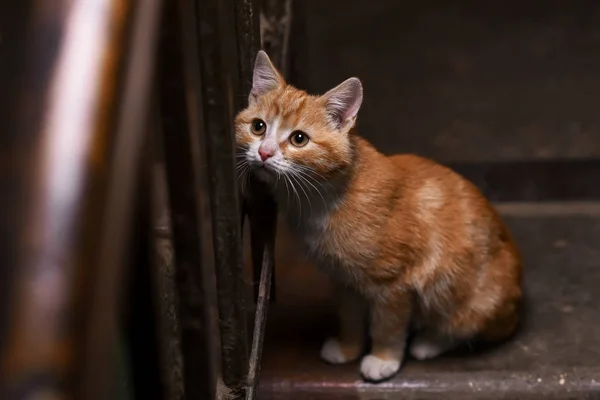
[{"x": 407, "y": 242}]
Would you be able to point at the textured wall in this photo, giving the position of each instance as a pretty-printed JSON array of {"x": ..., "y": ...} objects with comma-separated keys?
[{"x": 466, "y": 80}]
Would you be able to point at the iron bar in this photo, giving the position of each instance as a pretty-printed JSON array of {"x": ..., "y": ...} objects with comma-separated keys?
[
  {"x": 298, "y": 54},
  {"x": 64, "y": 237},
  {"x": 262, "y": 225},
  {"x": 180, "y": 119},
  {"x": 218, "y": 108},
  {"x": 248, "y": 44},
  {"x": 261, "y": 208},
  {"x": 125, "y": 171},
  {"x": 247, "y": 24},
  {"x": 171, "y": 354},
  {"x": 18, "y": 124},
  {"x": 275, "y": 29},
  {"x": 143, "y": 298}
]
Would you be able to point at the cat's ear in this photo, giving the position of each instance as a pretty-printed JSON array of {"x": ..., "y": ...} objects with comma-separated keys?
[
  {"x": 265, "y": 77},
  {"x": 343, "y": 102}
]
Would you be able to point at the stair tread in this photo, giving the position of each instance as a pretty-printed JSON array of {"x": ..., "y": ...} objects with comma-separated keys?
[{"x": 556, "y": 352}]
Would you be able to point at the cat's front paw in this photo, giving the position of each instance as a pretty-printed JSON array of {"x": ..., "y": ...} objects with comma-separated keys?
[
  {"x": 335, "y": 353},
  {"x": 376, "y": 369}
]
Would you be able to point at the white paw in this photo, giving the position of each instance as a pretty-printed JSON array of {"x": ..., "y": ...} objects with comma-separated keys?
[
  {"x": 423, "y": 348},
  {"x": 332, "y": 352},
  {"x": 376, "y": 369}
]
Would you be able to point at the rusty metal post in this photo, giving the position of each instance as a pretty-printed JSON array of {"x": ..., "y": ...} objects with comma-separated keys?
[
  {"x": 218, "y": 83},
  {"x": 73, "y": 172},
  {"x": 272, "y": 29},
  {"x": 180, "y": 118},
  {"x": 247, "y": 23},
  {"x": 258, "y": 205},
  {"x": 128, "y": 166},
  {"x": 263, "y": 219},
  {"x": 275, "y": 28},
  {"x": 141, "y": 323}
]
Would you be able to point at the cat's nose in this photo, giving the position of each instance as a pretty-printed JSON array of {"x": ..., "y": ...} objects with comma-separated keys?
[{"x": 265, "y": 154}]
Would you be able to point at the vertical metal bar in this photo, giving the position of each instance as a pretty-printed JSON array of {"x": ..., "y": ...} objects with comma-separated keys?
[
  {"x": 141, "y": 314},
  {"x": 247, "y": 24},
  {"x": 218, "y": 137},
  {"x": 18, "y": 126},
  {"x": 261, "y": 209},
  {"x": 63, "y": 195},
  {"x": 259, "y": 205},
  {"x": 180, "y": 122},
  {"x": 263, "y": 219},
  {"x": 102, "y": 328},
  {"x": 298, "y": 46},
  {"x": 248, "y": 44},
  {"x": 169, "y": 307},
  {"x": 67, "y": 198},
  {"x": 276, "y": 22}
]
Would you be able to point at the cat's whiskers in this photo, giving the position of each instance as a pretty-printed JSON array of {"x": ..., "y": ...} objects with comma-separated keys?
[
  {"x": 309, "y": 173},
  {"x": 282, "y": 172},
  {"x": 297, "y": 196},
  {"x": 312, "y": 171},
  {"x": 297, "y": 177},
  {"x": 287, "y": 192},
  {"x": 304, "y": 176},
  {"x": 242, "y": 169},
  {"x": 300, "y": 178},
  {"x": 241, "y": 164}
]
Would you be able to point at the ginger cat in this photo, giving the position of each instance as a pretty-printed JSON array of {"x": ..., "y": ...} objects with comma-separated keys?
[{"x": 409, "y": 244}]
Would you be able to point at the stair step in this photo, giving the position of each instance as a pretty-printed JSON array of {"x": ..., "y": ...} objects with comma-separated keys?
[{"x": 555, "y": 355}]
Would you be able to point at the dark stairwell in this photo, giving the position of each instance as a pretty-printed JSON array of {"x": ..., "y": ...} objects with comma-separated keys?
[{"x": 505, "y": 92}]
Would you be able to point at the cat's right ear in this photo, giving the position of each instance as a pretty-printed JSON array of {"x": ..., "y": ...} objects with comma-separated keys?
[
  {"x": 343, "y": 102},
  {"x": 265, "y": 77}
]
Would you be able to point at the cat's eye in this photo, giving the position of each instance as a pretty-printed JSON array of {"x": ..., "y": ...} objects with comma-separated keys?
[
  {"x": 258, "y": 127},
  {"x": 299, "y": 138}
]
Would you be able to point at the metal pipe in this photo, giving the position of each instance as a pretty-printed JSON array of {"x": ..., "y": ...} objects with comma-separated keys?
[
  {"x": 259, "y": 205},
  {"x": 218, "y": 142},
  {"x": 180, "y": 122},
  {"x": 66, "y": 260},
  {"x": 247, "y": 25},
  {"x": 262, "y": 226},
  {"x": 125, "y": 171}
]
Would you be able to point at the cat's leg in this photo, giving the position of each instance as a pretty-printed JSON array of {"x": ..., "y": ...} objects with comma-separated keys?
[
  {"x": 349, "y": 345},
  {"x": 390, "y": 319},
  {"x": 429, "y": 344}
]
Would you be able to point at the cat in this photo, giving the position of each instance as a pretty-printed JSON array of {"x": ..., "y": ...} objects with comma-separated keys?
[{"x": 409, "y": 244}]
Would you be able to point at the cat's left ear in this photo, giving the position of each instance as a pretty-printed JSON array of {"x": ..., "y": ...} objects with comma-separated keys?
[{"x": 343, "y": 102}]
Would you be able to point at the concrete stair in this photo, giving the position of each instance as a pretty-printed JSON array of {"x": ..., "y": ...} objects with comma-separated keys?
[{"x": 555, "y": 355}]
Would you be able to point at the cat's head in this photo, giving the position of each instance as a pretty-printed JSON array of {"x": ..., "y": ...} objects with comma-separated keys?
[{"x": 285, "y": 131}]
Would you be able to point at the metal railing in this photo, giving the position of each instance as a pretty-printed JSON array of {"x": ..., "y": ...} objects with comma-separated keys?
[
  {"x": 78, "y": 199},
  {"x": 74, "y": 139}
]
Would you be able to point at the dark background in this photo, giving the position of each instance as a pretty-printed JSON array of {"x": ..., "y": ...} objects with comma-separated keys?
[
  {"x": 508, "y": 94},
  {"x": 465, "y": 81}
]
